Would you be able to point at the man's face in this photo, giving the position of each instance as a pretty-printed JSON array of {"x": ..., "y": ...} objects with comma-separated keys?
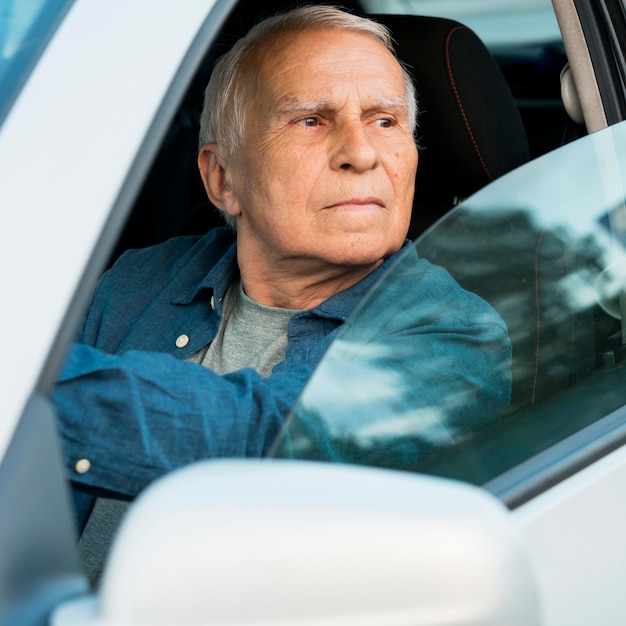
[{"x": 327, "y": 168}]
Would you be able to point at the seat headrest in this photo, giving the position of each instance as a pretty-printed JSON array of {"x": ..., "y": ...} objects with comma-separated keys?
[{"x": 470, "y": 129}]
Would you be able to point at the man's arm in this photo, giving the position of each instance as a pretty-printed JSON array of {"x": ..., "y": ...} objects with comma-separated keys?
[{"x": 137, "y": 416}]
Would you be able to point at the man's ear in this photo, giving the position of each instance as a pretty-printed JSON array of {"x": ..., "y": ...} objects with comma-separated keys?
[{"x": 215, "y": 174}]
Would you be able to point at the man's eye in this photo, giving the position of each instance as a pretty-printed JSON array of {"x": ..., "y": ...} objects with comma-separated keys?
[
  {"x": 310, "y": 121},
  {"x": 385, "y": 122}
]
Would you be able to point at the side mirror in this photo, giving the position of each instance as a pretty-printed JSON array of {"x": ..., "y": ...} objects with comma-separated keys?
[{"x": 289, "y": 542}]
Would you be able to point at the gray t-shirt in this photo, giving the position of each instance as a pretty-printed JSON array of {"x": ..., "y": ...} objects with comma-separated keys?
[{"x": 249, "y": 335}]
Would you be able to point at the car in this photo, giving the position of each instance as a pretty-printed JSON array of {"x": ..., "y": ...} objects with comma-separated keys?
[{"x": 520, "y": 196}]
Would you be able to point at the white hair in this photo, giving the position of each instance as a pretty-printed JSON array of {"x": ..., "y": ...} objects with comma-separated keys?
[{"x": 226, "y": 98}]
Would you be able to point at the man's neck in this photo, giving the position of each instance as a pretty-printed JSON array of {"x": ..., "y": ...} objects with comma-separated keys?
[{"x": 298, "y": 284}]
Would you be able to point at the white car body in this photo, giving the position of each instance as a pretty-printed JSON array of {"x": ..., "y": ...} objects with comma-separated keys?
[
  {"x": 73, "y": 155},
  {"x": 69, "y": 159}
]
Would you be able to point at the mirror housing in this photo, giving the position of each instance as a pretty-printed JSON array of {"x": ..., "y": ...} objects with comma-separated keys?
[{"x": 295, "y": 543}]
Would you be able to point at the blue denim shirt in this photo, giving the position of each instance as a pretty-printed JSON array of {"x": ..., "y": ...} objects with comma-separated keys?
[{"x": 130, "y": 403}]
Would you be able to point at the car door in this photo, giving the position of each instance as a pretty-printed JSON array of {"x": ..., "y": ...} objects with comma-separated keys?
[{"x": 545, "y": 246}]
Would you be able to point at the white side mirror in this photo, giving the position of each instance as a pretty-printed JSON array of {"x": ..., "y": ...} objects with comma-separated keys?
[{"x": 297, "y": 543}]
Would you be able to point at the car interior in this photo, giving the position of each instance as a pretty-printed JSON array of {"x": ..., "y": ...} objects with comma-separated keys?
[{"x": 482, "y": 113}]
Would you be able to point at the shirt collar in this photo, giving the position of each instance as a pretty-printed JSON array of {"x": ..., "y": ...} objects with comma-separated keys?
[
  {"x": 219, "y": 278},
  {"x": 343, "y": 303}
]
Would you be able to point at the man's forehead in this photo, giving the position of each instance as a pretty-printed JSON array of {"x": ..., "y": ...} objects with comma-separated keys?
[
  {"x": 294, "y": 72},
  {"x": 296, "y": 47}
]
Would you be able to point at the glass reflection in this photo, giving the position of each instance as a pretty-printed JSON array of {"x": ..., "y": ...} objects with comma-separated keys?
[
  {"x": 420, "y": 364},
  {"x": 545, "y": 246}
]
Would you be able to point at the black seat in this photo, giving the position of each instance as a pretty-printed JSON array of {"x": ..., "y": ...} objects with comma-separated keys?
[{"x": 470, "y": 128}]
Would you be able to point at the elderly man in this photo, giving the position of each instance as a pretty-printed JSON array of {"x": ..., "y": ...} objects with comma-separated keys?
[{"x": 199, "y": 347}]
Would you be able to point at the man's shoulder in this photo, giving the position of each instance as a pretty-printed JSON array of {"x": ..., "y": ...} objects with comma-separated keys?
[
  {"x": 428, "y": 291},
  {"x": 142, "y": 279},
  {"x": 173, "y": 253}
]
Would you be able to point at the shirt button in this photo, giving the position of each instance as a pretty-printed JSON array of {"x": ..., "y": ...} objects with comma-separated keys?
[
  {"x": 82, "y": 466},
  {"x": 182, "y": 341},
  {"x": 213, "y": 302}
]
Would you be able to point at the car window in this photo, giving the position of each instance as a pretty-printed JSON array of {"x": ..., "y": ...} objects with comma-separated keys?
[
  {"x": 545, "y": 246},
  {"x": 25, "y": 28},
  {"x": 497, "y": 23}
]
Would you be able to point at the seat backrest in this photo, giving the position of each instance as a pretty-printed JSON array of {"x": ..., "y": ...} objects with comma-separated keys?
[{"x": 470, "y": 128}]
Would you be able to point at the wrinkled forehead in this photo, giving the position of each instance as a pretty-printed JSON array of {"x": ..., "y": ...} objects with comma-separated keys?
[{"x": 319, "y": 59}]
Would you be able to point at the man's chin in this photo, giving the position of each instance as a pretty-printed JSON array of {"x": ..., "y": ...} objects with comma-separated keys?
[{"x": 362, "y": 251}]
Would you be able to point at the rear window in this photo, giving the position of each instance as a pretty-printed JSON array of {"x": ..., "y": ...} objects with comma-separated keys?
[{"x": 497, "y": 23}]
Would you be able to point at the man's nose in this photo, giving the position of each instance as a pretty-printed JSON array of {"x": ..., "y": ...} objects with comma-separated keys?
[{"x": 353, "y": 148}]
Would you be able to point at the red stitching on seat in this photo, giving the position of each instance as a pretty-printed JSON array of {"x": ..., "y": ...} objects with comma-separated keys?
[
  {"x": 537, "y": 341},
  {"x": 458, "y": 100}
]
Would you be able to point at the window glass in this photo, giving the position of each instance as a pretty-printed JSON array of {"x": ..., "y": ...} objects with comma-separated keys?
[
  {"x": 25, "y": 28},
  {"x": 497, "y": 23},
  {"x": 545, "y": 246}
]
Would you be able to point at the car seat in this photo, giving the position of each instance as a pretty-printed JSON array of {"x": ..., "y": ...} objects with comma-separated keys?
[{"x": 470, "y": 129}]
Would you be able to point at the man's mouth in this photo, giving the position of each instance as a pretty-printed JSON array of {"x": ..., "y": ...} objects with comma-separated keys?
[{"x": 358, "y": 203}]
